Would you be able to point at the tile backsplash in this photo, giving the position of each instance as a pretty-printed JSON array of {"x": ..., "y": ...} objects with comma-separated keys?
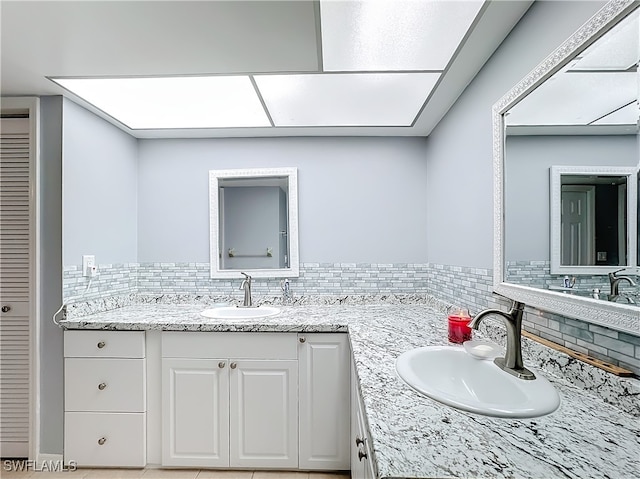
[{"x": 463, "y": 286}]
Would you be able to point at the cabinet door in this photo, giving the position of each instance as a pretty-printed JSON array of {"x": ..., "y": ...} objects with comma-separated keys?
[
  {"x": 263, "y": 414},
  {"x": 361, "y": 458},
  {"x": 195, "y": 412},
  {"x": 324, "y": 401}
]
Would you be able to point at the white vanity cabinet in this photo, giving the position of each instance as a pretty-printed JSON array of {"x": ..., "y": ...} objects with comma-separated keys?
[
  {"x": 229, "y": 400},
  {"x": 362, "y": 466},
  {"x": 105, "y": 398},
  {"x": 324, "y": 391}
]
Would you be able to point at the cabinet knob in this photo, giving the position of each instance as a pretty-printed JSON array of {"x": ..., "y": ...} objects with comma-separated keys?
[
  {"x": 302, "y": 339},
  {"x": 6, "y": 308},
  {"x": 101, "y": 386},
  {"x": 360, "y": 441},
  {"x": 101, "y": 344},
  {"x": 221, "y": 364},
  {"x": 102, "y": 440},
  {"x": 233, "y": 365},
  {"x": 362, "y": 455}
]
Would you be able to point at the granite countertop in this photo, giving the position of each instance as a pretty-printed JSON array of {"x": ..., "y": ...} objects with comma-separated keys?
[{"x": 595, "y": 433}]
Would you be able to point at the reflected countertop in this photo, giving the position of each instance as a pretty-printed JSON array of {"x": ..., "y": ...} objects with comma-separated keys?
[{"x": 595, "y": 432}]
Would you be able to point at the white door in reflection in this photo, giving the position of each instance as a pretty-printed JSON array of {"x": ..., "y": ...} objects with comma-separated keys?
[{"x": 577, "y": 225}]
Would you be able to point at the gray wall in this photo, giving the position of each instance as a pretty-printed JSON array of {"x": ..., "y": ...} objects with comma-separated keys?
[
  {"x": 50, "y": 201},
  {"x": 459, "y": 151},
  {"x": 361, "y": 200},
  {"x": 527, "y": 182},
  {"x": 100, "y": 189}
]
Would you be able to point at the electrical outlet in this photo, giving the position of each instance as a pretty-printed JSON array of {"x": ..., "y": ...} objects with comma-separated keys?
[{"x": 89, "y": 268}]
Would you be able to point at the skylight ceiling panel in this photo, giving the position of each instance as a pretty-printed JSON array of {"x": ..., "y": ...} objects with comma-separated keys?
[
  {"x": 561, "y": 100},
  {"x": 347, "y": 99},
  {"x": 627, "y": 115},
  {"x": 617, "y": 50},
  {"x": 173, "y": 102},
  {"x": 383, "y": 35}
]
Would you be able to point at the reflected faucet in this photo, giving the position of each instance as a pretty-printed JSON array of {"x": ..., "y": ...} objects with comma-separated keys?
[
  {"x": 246, "y": 286},
  {"x": 512, "y": 361},
  {"x": 615, "y": 285},
  {"x": 286, "y": 290}
]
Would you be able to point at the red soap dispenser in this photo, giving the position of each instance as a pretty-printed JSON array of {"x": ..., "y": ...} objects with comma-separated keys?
[{"x": 459, "y": 330}]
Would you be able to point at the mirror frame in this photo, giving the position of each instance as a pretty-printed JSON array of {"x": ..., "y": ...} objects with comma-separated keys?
[
  {"x": 555, "y": 218},
  {"x": 609, "y": 314},
  {"x": 293, "y": 271}
]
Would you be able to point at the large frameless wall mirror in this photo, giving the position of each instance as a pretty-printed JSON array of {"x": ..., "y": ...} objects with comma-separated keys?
[
  {"x": 566, "y": 163},
  {"x": 254, "y": 222}
]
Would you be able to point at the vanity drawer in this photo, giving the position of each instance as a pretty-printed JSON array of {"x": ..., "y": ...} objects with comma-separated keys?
[
  {"x": 104, "y": 344},
  {"x": 95, "y": 384},
  {"x": 105, "y": 439},
  {"x": 230, "y": 345}
]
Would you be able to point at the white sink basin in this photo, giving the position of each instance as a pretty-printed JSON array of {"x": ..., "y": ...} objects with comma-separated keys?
[
  {"x": 453, "y": 377},
  {"x": 234, "y": 312}
]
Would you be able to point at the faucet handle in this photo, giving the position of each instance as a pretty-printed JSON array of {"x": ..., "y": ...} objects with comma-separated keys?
[
  {"x": 247, "y": 277},
  {"x": 613, "y": 273}
]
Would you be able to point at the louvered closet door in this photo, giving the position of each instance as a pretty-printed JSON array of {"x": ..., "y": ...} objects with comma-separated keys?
[{"x": 14, "y": 287}]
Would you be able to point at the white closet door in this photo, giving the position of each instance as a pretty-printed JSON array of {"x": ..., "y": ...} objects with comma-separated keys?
[{"x": 15, "y": 274}]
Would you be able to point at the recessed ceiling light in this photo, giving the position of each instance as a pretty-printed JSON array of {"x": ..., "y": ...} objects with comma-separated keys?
[
  {"x": 173, "y": 102},
  {"x": 382, "y": 35},
  {"x": 345, "y": 99}
]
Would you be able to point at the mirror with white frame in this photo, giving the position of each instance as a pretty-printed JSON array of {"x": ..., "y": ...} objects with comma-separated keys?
[
  {"x": 573, "y": 119},
  {"x": 254, "y": 222},
  {"x": 593, "y": 215}
]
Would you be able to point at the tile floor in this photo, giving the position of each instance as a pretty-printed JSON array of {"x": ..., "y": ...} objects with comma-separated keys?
[{"x": 15, "y": 470}]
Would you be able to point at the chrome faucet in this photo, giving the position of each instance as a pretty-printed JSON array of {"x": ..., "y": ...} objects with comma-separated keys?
[
  {"x": 615, "y": 284},
  {"x": 512, "y": 361},
  {"x": 286, "y": 290},
  {"x": 246, "y": 286}
]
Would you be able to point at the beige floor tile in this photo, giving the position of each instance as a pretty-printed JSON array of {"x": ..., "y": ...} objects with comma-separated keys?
[
  {"x": 15, "y": 474},
  {"x": 77, "y": 474},
  {"x": 209, "y": 474},
  {"x": 170, "y": 474},
  {"x": 328, "y": 475},
  {"x": 114, "y": 473},
  {"x": 280, "y": 475}
]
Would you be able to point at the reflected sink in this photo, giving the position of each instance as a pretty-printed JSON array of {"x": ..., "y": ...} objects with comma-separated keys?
[
  {"x": 234, "y": 312},
  {"x": 453, "y": 377}
]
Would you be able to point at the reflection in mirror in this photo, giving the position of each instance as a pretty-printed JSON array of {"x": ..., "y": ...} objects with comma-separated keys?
[
  {"x": 254, "y": 222},
  {"x": 593, "y": 230},
  {"x": 593, "y": 213},
  {"x": 578, "y": 110}
]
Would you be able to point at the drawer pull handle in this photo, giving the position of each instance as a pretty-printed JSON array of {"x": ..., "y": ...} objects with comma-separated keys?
[
  {"x": 6, "y": 309},
  {"x": 233, "y": 365},
  {"x": 302, "y": 339},
  {"x": 101, "y": 386},
  {"x": 362, "y": 455},
  {"x": 101, "y": 344},
  {"x": 102, "y": 440},
  {"x": 221, "y": 364},
  {"x": 360, "y": 441}
]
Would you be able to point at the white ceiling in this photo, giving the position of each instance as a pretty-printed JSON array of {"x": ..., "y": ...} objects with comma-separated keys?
[{"x": 41, "y": 39}]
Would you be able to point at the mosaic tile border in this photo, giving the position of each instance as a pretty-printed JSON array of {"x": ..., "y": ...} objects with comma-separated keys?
[{"x": 436, "y": 285}]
